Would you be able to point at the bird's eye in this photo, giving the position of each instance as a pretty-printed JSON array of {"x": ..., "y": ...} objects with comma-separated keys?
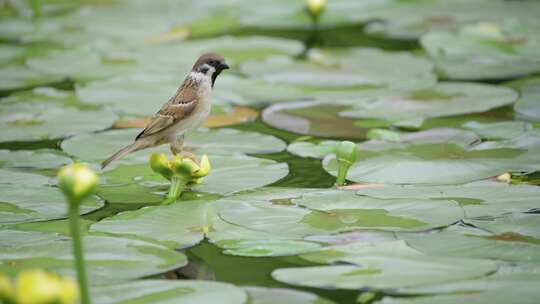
[{"x": 212, "y": 62}]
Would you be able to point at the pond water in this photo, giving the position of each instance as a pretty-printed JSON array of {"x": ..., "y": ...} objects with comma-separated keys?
[{"x": 441, "y": 98}]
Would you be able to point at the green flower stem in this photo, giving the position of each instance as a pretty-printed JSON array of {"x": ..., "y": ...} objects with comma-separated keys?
[
  {"x": 36, "y": 8},
  {"x": 343, "y": 169},
  {"x": 78, "y": 252},
  {"x": 177, "y": 186}
]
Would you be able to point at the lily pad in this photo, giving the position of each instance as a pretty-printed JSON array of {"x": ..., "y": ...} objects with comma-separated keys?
[
  {"x": 241, "y": 241},
  {"x": 344, "y": 209},
  {"x": 499, "y": 130},
  {"x": 26, "y": 203},
  {"x": 179, "y": 225},
  {"x": 108, "y": 259},
  {"x": 169, "y": 292},
  {"x": 21, "y": 77},
  {"x": 439, "y": 156},
  {"x": 40, "y": 159},
  {"x": 261, "y": 295},
  {"x": 513, "y": 225},
  {"x": 368, "y": 68},
  {"x": 408, "y": 20},
  {"x": 308, "y": 149},
  {"x": 383, "y": 272},
  {"x": 12, "y": 177},
  {"x": 528, "y": 105},
  {"x": 99, "y": 146},
  {"x": 474, "y": 243},
  {"x": 443, "y": 99},
  {"x": 495, "y": 289},
  {"x": 478, "y": 199},
  {"x": 484, "y": 51},
  {"x": 313, "y": 118},
  {"x": 48, "y": 114}
]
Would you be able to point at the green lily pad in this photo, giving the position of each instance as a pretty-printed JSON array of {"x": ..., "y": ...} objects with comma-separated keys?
[
  {"x": 41, "y": 159},
  {"x": 184, "y": 224},
  {"x": 241, "y": 241},
  {"x": 261, "y": 295},
  {"x": 24, "y": 202},
  {"x": 13, "y": 177},
  {"x": 494, "y": 289},
  {"x": 498, "y": 130},
  {"x": 396, "y": 19},
  {"x": 513, "y": 225},
  {"x": 169, "y": 292},
  {"x": 179, "y": 225},
  {"x": 97, "y": 147},
  {"x": 48, "y": 114},
  {"x": 80, "y": 64},
  {"x": 307, "y": 149},
  {"x": 384, "y": 272},
  {"x": 344, "y": 209},
  {"x": 108, "y": 259},
  {"x": 478, "y": 199},
  {"x": 313, "y": 118},
  {"x": 484, "y": 51},
  {"x": 474, "y": 243},
  {"x": 528, "y": 105},
  {"x": 368, "y": 68},
  {"x": 439, "y": 156},
  {"x": 322, "y": 212},
  {"x": 21, "y": 77},
  {"x": 443, "y": 99}
]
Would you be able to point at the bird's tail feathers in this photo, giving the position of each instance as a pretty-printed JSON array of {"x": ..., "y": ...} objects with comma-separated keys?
[{"x": 123, "y": 152}]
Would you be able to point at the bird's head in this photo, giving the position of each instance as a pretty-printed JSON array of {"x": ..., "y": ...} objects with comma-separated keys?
[{"x": 210, "y": 64}]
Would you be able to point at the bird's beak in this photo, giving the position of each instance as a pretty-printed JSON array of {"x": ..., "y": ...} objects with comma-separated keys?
[{"x": 224, "y": 66}]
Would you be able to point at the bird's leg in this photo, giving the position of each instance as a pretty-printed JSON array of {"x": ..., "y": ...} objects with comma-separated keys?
[{"x": 176, "y": 145}]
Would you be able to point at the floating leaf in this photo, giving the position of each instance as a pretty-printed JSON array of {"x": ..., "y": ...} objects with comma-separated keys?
[
  {"x": 443, "y": 99},
  {"x": 484, "y": 51},
  {"x": 168, "y": 292},
  {"x": 261, "y": 295},
  {"x": 108, "y": 259},
  {"x": 41, "y": 159},
  {"x": 25, "y": 203},
  {"x": 48, "y": 114},
  {"x": 478, "y": 199},
  {"x": 369, "y": 68}
]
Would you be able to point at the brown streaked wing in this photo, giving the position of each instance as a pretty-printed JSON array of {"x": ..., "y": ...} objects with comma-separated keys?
[{"x": 176, "y": 109}]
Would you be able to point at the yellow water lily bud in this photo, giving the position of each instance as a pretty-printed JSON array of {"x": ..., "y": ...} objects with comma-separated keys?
[
  {"x": 505, "y": 178},
  {"x": 315, "y": 7},
  {"x": 205, "y": 167},
  {"x": 346, "y": 155},
  {"x": 39, "y": 287},
  {"x": 346, "y": 151},
  {"x": 7, "y": 291},
  {"x": 185, "y": 168},
  {"x": 77, "y": 181},
  {"x": 161, "y": 165}
]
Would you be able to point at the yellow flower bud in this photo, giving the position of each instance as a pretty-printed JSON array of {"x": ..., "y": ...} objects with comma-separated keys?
[
  {"x": 504, "y": 178},
  {"x": 185, "y": 168},
  {"x": 205, "y": 167},
  {"x": 6, "y": 289},
  {"x": 161, "y": 165},
  {"x": 315, "y": 7},
  {"x": 39, "y": 287},
  {"x": 77, "y": 181}
]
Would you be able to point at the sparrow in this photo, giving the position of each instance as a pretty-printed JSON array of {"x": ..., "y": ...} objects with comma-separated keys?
[{"x": 185, "y": 111}]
